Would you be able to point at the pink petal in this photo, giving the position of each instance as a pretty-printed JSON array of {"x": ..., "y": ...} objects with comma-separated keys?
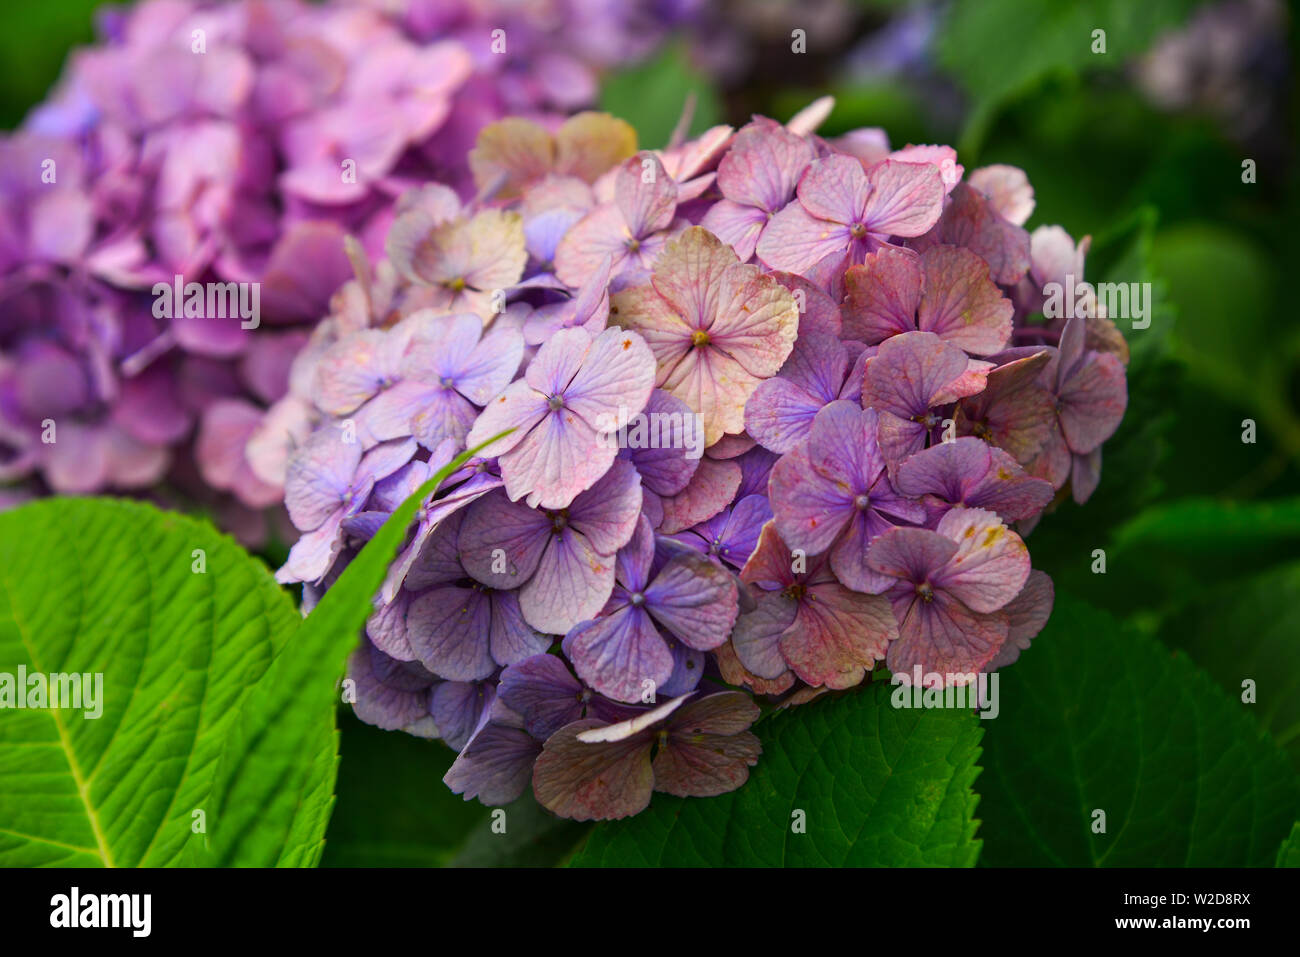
[
  {"x": 710, "y": 490},
  {"x": 883, "y": 294},
  {"x": 837, "y": 636},
  {"x": 818, "y": 312},
  {"x": 835, "y": 188},
  {"x": 906, "y": 198},
  {"x": 736, "y": 225},
  {"x": 991, "y": 562},
  {"x": 763, "y": 166},
  {"x": 945, "y": 637},
  {"x": 1008, "y": 192},
  {"x": 646, "y": 207},
  {"x": 960, "y": 303},
  {"x": 598, "y": 236},
  {"x": 795, "y": 240},
  {"x": 615, "y": 380}
]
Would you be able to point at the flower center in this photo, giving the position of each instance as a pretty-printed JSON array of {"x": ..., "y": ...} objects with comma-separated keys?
[
  {"x": 637, "y": 598},
  {"x": 446, "y": 382},
  {"x": 457, "y": 284},
  {"x": 796, "y": 591},
  {"x": 925, "y": 592},
  {"x": 699, "y": 338},
  {"x": 927, "y": 419},
  {"x": 862, "y": 502},
  {"x": 555, "y": 403},
  {"x": 559, "y": 521},
  {"x": 858, "y": 231},
  {"x": 633, "y": 245}
]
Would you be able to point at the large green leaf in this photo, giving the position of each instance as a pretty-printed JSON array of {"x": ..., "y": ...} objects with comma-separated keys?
[
  {"x": 272, "y": 800},
  {"x": 877, "y": 786},
  {"x": 1097, "y": 717},
  {"x": 109, "y": 587}
]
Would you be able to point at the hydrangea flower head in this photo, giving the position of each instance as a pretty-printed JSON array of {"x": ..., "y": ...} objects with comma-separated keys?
[{"x": 752, "y": 412}]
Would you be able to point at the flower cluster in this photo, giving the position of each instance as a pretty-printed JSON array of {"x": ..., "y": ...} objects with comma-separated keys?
[
  {"x": 232, "y": 143},
  {"x": 757, "y": 411}
]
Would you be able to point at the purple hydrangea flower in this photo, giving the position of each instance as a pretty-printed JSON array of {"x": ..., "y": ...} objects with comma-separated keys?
[
  {"x": 946, "y": 587},
  {"x": 844, "y": 212},
  {"x": 819, "y": 371},
  {"x": 831, "y": 493},
  {"x": 868, "y": 421},
  {"x": 623, "y": 649},
  {"x": 561, "y": 560},
  {"x": 576, "y": 391},
  {"x": 946, "y": 290},
  {"x": 704, "y": 749},
  {"x": 806, "y": 621}
]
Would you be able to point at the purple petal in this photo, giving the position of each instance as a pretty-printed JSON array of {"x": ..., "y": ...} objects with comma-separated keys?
[{"x": 618, "y": 653}]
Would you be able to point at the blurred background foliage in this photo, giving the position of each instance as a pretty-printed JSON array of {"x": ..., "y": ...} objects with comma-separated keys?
[{"x": 1142, "y": 147}]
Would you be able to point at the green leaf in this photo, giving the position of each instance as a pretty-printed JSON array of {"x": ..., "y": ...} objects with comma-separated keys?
[
  {"x": 651, "y": 96},
  {"x": 272, "y": 806},
  {"x": 1098, "y": 717},
  {"x": 1225, "y": 333},
  {"x": 1247, "y": 630},
  {"x": 1288, "y": 855},
  {"x": 107, "y": 587},
  {"x": 999, "y": 49},
  {"x": 877, "y": 785}
]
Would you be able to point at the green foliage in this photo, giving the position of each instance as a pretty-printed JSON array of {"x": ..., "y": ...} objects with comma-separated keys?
[
  {"x": 216, "y": 698},
  {"x": 999, "y": 49},
  {"x": 1288, "y": 855},
  {"x": 876, "y": 785},
  {"x": 1097, "y": 717},
  {"x": 34, "y": 39},
  {"x": 101, "y": 586},
  {"x": 1247, "y": 630}
]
